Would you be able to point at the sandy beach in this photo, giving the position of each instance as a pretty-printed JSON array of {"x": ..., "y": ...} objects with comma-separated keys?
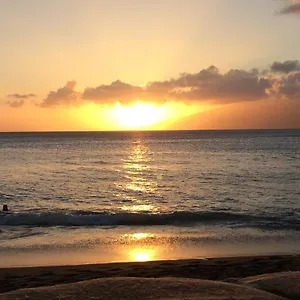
[{"x": 234, "y": 270}]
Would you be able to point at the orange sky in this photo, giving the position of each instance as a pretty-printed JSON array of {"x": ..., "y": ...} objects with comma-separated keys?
[{"x": 115, "y": 65}]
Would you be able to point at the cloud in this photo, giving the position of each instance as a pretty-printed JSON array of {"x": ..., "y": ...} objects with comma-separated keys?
[
  {"x": 207, "y": 85},
  {"x": 64, "y": 95},
  {"x": 19, "y": 99},
  {"x": 233, "y": 86},
  {"x": 285, "y": 67},
  {"x": 288, "y": 87},
  {"x": 281, "y": 80},
  {"x": 116, "y": 91},
  {"x": 21, "y": 96},
  {"x": 293, "y": 8},
  {"x": 16, "y": 103}
]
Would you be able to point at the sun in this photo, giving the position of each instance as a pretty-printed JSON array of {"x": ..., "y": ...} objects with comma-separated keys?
[{"x": 138, "y": 115}]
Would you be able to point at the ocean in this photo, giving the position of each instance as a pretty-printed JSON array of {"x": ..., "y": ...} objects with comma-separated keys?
[{"x": 90, "y": 197}]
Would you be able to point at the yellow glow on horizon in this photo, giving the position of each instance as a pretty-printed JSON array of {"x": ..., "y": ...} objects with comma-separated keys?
[{"x": 139, "y": 115}]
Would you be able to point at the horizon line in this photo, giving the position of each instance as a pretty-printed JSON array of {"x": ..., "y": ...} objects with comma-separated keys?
[{"x": 150, "y": 130}]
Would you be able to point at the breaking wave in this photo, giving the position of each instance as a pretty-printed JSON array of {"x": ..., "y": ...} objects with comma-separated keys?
[{"x": 87, "y": 218}]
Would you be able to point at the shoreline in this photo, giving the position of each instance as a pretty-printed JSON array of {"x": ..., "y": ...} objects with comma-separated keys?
[{"x": 229, "y": 269}]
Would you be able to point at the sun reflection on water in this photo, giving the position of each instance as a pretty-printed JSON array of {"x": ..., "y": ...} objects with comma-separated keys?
[
  {"x": 139, "y": 181},
  {"x": 139, "y": 208}
]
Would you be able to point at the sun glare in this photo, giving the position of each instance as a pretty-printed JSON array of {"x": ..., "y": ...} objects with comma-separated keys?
[{"x": 139, "y": 115}]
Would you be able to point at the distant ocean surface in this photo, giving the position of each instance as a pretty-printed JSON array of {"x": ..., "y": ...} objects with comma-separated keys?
[{"x": 85, "y": 197}]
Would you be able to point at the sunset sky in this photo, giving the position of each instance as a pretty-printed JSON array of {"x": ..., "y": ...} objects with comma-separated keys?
[{"x": 149, "y": 64}]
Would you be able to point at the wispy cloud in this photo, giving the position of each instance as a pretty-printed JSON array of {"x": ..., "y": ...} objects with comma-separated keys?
[
  {"x": 293, "y": 7},
  {"x": 18, "y": 99},
  {"x": 16, "y": 103},
  {"x": 21, "y": 96}
]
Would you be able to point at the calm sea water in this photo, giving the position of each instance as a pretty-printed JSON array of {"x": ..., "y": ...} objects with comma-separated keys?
[{"x": 119, "y": 196}]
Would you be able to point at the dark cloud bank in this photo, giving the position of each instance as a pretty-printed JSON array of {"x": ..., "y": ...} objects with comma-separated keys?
[
  {"x": 286, "y": 67},
  {"x": 280, "y": 81}
]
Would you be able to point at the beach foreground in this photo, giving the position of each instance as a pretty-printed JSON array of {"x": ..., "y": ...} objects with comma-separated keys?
[
  {"x": 143, "y": 288},
  {"x": 216, "y": 278}
]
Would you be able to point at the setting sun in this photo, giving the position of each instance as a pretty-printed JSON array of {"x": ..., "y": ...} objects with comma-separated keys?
[{"x": 138, "y": 115}]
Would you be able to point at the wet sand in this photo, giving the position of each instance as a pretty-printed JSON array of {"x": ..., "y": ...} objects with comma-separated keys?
[{"x": 230, "y": 270}]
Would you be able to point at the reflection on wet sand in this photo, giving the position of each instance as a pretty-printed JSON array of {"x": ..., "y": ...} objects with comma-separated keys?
[
  {"x": 131, "y": 244},
  {"x": 140, "y": 246},
  {"x": 142, "y": 254},
  {"x": 151, "y": 246}
]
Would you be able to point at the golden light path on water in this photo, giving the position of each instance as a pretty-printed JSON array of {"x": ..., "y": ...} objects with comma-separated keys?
[{"x": 140, "y": 181}]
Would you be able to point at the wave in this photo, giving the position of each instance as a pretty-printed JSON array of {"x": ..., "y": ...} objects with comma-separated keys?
[{"x": 86, "y": 218}]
